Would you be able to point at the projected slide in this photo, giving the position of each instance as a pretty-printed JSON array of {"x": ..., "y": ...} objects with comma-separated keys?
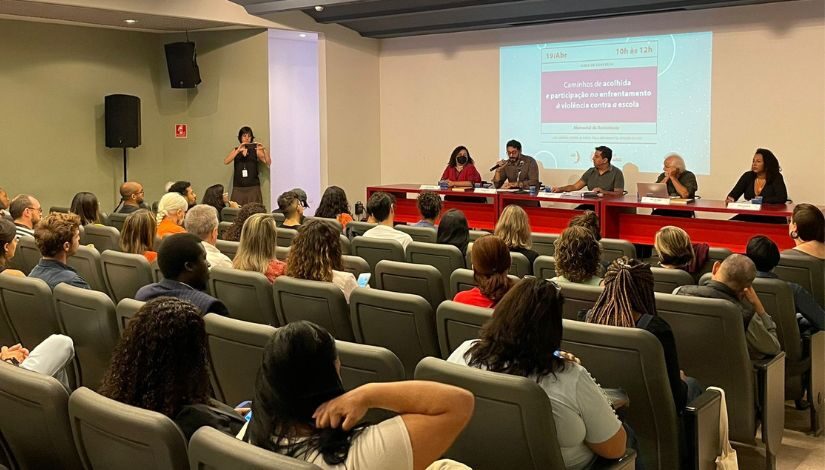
[{"x": 644, "y": 97}]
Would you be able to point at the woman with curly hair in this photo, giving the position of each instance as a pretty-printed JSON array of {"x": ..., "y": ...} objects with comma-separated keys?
[
  {"x": 315, "y": 255},
  {"x": 160, "y": 364},
  {"x": 513, "y": 227},
  {"x": 588, "y": 220},
  {"x": 577, "y": 256},
  {"x": 491, "y": 263},
  {"x": 334, "y": 205},
  {"x": 233, "y": 233},
  {"x": 256, "y": 251}
]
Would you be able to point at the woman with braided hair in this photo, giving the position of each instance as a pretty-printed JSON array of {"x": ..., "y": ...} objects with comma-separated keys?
[{"x": 628, "y": 301}]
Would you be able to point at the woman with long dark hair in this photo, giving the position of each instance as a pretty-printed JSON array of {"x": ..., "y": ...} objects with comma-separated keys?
[
  {"x": 461, "y": 170},
  {"x": 454, "y": 230},
  {"x": 334, "y": 205},
  {"x": 8, "y": 246},
  {"x": 86, "y": 206},
  {"x": 216, "y": 197}
]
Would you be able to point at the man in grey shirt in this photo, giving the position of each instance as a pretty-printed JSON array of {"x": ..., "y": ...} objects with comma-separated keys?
[
  {"x": 602, "y": 178},
  {"x": 518, "y": 171}
]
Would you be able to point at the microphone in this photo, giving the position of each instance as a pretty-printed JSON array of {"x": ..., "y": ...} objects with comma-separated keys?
[{"x": 500, "y": 164}]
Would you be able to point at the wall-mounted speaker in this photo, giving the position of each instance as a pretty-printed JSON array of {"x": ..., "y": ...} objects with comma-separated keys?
[
  {"x": 181, "y": 60},
  {"x": 122, "y": 121}
]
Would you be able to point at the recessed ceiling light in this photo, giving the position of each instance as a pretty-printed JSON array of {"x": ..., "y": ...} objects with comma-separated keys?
[
  {"x": 303, "y": 35},
  {"x": 319, "y": 8},
  {"x": 130, "y": 21}
]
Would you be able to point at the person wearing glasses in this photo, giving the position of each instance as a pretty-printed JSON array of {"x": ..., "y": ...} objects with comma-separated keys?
[
  {"x": 518, "y": 171},
  {"x": 131, "y": 197},
  {"x": 26, "y": 212}
]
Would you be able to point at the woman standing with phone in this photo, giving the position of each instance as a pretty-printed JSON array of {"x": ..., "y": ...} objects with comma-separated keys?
[{"x": 246, "y": 186}]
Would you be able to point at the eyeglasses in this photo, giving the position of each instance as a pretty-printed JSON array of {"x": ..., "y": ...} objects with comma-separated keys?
[{"x": 38, "y": 209}]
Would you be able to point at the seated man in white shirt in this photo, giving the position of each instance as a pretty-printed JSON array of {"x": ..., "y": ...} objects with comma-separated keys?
[
  {"x": 382, "y": 207},
  {"x": 202, "y": 221}
]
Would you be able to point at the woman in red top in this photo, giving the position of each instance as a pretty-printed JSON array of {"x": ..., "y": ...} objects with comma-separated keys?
[
  {"x": 461, "y": 171},
  {"x": 491, "y": 263}
]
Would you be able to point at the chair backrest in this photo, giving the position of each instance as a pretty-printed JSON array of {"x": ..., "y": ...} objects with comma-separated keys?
[
  {"x": 462, "y": 279},
  {"x": 363, "y": 363},
  {"x": 229, "y": 214},
  {"x": 213, "y": 450},
  {"x": 357, "y": 228},
  {"x": 346, "y": 246},
  {"x": 222, "y": 227},
  {"x": 632, "y": 359},
  {"x": 544, "y": 243},
  {"x": 665, "y": 279},
  {"x": 710, "y": 342},
  {"x": 802, "y": 269},
  {"x": 777, "y": 298},
  {"x": 476, "y": 234},
  {"x": 103, "y": 237},
  {"x": 235, "y": 351},
  {"x": 418, "y": 279},
  {"x": 278, "y": 217},
  {"x": 355, "y": 265},
  {"x": 35, "y": 420},
  {"x": 110, "y": 434},
  {"x": 126, "y": 310},
  {"x": 402, "y": 323},
  {"x": 27, "y": 255},
  {"x": 373, "y": 250},
  {"x": 334, "y": 222},
  {"x": 613, "y": 248},
  {"x": 228, "y": 248},
  {"x": 714, "y": 254},
  {"x": 456, "y": 323},
  {"x": 512, "y": 424},
  {"x": 86, "y": 261},
  {"x": 520, "y": 265},
  {"x": 578, "y": 297},
  {"x": 418, "y": 234},
  {"x": 29, "y": 308},
  {"x": 88, "y": 317},
  {"x": 445, "y": 258},
  {"x": 285, "y": 236},
  {"x": 544, "y": 267},
  {"x": 316, "y": 301},
  {"x": 62, "y": 209},
  {"x": 282, "y": 252},
  {"x": 125, "y": 273},
  {"x": 116, "y": 220},
  {"x": 157, "y": 275},
  {"x": 246, "y": 294}
]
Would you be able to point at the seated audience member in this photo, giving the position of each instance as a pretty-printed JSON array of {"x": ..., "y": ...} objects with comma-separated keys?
[
  {"x": 513, "y": 227},
  {"x": 732, "y": 279},
  {"x": 202, "y": 221},
  {"x": 454, "y": 230},
  {"x": 589, "y": 220},
  {"x": 293, "y": 209},
  {"x": 765, "y": 256},
  {"x": 577, "y": 256},
  {"x": 138, "y": 234},
  {"x": 429, "y": 206},
  {"x": 302, "y": 196},
  {"x": 233, "y": 233},
  {"x": 182, "y": 261},
  {"x": 315, "y": 254},
  {"x": 50, "y": 357},
  {"x": 523, "y": 339},
  {"x": 628, "y": 301},
  {"x": 256, "y": 251},
  {"x": 161, "y": 364},
  {"x": 334, "y": 205},
  {"x": 216, "y": 197},
  {"x": 131, "y": 197},
  {"x": 807, "y": 229},
  {"x": 57, "y": 237},
  {"x": 26, "y": 212},
  {"x": 300, "y": 409},
  {"x": 491, "y": 263},
  {"x": 85, "y": 205},
  {"x": 461, "y": 171},
  {"x": 184, "y": 188},
  {"x": 382, "y": 207},
  {"x": 677, "y": 252},
  {"x": 8, "y": 246},
  {"x": 4, "y": 204},
  {"x": 170, "y": 214}
]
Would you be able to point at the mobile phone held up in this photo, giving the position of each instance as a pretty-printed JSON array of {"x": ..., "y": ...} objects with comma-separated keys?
[{"x": 363, "y": 279}]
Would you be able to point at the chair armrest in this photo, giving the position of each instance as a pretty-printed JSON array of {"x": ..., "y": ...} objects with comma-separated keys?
[
  {"x": 625, "y": 462},
  {"x": 817, "y": 386},
  {"x": 701, "y": 419},
  {"x": 770, "y": 380}
]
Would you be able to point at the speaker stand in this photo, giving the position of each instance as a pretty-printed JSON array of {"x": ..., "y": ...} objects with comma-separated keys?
[{"x": 124, "y": 165}]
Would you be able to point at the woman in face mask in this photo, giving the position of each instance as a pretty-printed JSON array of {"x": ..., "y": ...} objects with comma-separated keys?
[{"x": 460, "y": 171}]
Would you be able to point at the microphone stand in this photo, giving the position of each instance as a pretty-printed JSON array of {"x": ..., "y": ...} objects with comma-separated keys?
[{"x": 518, "y": 175}]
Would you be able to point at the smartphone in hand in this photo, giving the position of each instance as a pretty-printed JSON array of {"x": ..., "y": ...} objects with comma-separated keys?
[{"x": 364, "y": 279}]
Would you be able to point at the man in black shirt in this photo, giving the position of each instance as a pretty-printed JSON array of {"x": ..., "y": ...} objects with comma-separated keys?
[{"x": 131, "y": 197}]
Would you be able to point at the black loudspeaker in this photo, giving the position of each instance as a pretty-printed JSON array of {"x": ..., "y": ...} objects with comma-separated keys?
[
  {"x": 181, "y": 60},
  {"x": 122, "y": 121}
]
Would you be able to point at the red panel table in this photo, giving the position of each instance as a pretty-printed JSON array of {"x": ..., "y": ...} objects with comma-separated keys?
[
  {"x": 480, "y": 215},
  {"x": 619, "y": 219},
  {"x": 553, "y": 215}
]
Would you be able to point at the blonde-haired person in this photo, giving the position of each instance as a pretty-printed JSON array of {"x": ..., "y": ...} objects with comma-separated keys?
[
  {"x": 171, "y": 214},
  {"x": 577, "y": 256},
  {"x": 676, "y": 251},
  {"x": 315, "y": 255},
  {"x": 138, "y": 234},
  {"x": 256, "y": 251},
  {"x": 513, "y": 228}
]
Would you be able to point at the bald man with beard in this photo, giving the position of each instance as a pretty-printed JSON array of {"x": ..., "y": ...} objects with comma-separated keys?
[{"x": 131, "y": 197}]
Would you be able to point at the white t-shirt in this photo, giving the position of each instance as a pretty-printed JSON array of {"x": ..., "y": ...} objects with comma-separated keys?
[
  {"x": 389, "y": 233},
  {"x": 581, "y": 410},
  {"x": 215, "y": 257},
  {"x": 345, "y": 281},
  {"x": 592, "y": 281}
]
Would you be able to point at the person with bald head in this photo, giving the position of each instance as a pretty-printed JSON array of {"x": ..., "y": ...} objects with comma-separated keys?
[
  {"x": 732, "y": 281},
  {"x": 26, "y": 212},
  {"x": 131, "y": 197}
]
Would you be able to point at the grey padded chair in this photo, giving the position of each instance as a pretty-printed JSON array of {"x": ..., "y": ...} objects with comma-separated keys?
[
  {"x": 222, "y": 227},
  {"x": 710, "y": 341},
  {"x": 235, "y": 352},
  {"x": 613, "y": 248},
  {"x": 286, "y": 235},
  {"x": 125, "y": 273},
  {"x": 7, "y": 336},
  {"x": 35, "y": 425},
  {"x": 126, "y": 310},
  {"x": 665, "y": 280},
  {"x": 544, "y": 243},
  {"x": 27, "y": 255},
  {"x": 62, "y": 209},
  {"x": 578, "y": 297},
  {"x": 373, "y": 250},
  {"x": 229, "y": 214},
  {"x": 246, "y": 294},
  {"x": 86, "y": 261},
  {"x": 544, "y": 267},
  {"x": 110, "y": 434},
  {"x": 29, "y": 309},
  {"x": 512, "y": 424},
  {"x": 520, "y": 265},
  {"x": 802, "y": 269},
  {"x": 462, "y": 279},
  {"x": 116, "y": 220},
  {"x": 346, "y": 246},
  {"x": 714, "y": 254},
  {"x": 445, "y": 258},
  {"x": 418, "y": 234},
  {"x": 214, "y": 450},
  {"x": 334, "y": 222},
  {"x": 102, "y": 237},
  {"x": 418, "y": 279},
  {"x": 320, "y": 302},
  {"x": 476, "y": 234},
  {"x": 363, "y": 363},
  {"x": 88, "y": 317},
  {"x": 278, "y": 216},
  {"x": 456, "y": 323},
  {"x": 282, "y": 252},
  {"x": 357, "y": 228},
  {"x": 355, "y": 265},
  {"x": 230, "y": 249},
  {"x": 157, "y": 275},
  {"x": 402, "y": 323}
]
